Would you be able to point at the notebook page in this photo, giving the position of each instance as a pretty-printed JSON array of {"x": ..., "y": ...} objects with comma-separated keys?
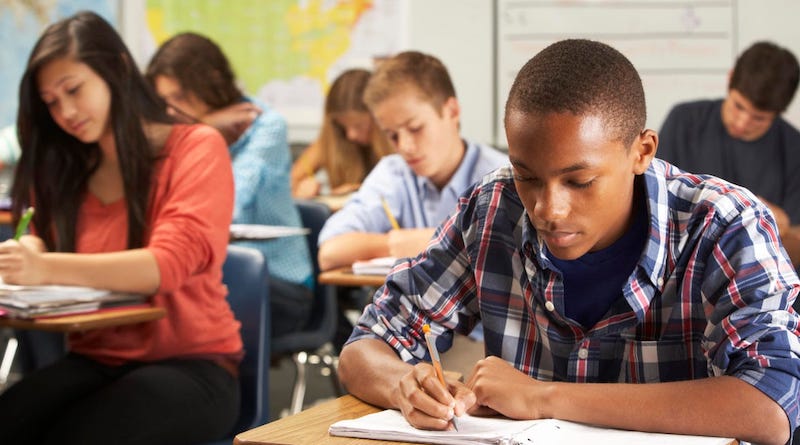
[
  {"x": 553, "y": 431},
  {"x": 391, "y": 425}
]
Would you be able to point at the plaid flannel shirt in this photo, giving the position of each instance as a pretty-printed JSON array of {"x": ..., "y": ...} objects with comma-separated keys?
[{"x": 711, "y": 294}]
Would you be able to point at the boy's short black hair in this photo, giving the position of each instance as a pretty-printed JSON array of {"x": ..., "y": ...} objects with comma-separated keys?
[
  {"x": 582, "y": 77},
  {"x": 767, "y": 76}
]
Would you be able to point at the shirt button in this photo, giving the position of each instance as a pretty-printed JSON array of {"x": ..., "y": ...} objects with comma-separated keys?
[
  {"x": 583, "y": 353},
  {"x": 550, "y": 306},
  {"x": 660, "y": 282}
]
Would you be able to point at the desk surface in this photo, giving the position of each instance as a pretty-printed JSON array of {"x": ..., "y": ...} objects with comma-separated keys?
[
  {"x": 345, "y": 277},
  {"x": 91, "y": 320},
  {"x": 311, "y": 426}
]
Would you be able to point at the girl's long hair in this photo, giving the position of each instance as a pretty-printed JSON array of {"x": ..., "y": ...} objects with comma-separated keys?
[
  {"x": 54, "y": 167},
  {"x": 346, "y": 161}
]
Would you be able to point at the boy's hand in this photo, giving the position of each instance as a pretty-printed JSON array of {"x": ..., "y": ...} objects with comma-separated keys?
[
  {"x": 425, "y": 403},
  {"x": 500, "y": 387},
  {"x": 409, "y": 242}
]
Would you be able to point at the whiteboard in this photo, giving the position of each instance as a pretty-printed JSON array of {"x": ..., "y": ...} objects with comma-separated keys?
[{"x": 683, "y": 50}]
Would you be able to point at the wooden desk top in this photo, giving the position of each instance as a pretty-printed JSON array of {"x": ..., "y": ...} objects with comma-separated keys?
[
  {"x": 90, "y": 320},
  {"x": 311, "y": 426},
  {"x": 345, "y": 277}
]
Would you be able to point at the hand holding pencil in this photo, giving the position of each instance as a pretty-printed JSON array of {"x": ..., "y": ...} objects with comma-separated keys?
[{"x": 437, "y": 364}]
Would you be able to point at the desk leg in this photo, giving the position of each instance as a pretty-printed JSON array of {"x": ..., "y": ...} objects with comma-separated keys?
[{"x": 8, "y": 360}]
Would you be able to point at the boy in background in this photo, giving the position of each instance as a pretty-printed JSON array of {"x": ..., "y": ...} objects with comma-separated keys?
[
  {"x": 614, "y": 289},
  {"x": 743, "y": 138},
  {"x": 414, "y": 103}
]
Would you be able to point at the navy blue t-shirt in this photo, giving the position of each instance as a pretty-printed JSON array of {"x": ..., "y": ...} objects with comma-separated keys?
[{"x": 593, "y": 282}]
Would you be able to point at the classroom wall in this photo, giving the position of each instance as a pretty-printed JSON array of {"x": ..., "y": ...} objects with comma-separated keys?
[
  {"x": 463, "y": 34},
  {"x": 470, "y": 46}
]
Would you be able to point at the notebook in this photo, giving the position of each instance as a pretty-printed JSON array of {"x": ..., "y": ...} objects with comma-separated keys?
[
  {"x": 391, "y": 425},
  {"x": 35, "y": 301},
  {"x": 375, "y": 266}
]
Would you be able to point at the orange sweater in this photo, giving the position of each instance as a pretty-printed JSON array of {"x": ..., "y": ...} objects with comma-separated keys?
[{"x": 189, "y": 217}]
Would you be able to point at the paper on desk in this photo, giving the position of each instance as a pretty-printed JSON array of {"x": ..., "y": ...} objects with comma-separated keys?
[
  {"x": 391, "y": 425},
  {"x": 375, "y": 266},
  {"x": 263, "y": 232},
  {"x": 42, "y": 294}
]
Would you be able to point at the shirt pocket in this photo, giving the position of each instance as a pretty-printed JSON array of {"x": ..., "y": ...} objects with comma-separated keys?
[{"x": 651, "y": 361}]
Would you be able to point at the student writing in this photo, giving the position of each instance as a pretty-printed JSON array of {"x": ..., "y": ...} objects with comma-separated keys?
[
  {"x": 127, "y": 201},
  {"x": 614, "y": 289},
  {"x": 743, "y": 138},
  {"x": 413, "y": 101},
  {"x": 349, "y": 143}
]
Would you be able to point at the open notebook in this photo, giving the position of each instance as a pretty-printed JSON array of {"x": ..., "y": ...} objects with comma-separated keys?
[{"x": 390, "y": 425}]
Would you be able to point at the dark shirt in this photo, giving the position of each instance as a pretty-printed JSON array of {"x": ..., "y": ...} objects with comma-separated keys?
[
  {"x": 593, "y": 282},
  {"x": 694, "y": 138}
]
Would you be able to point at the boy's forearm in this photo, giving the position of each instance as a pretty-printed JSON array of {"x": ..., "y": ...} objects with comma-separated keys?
[
  {"x": 371, "y": 370},
  {"x": 343, "y": 250},
  {"x": 718, "y": 406}
]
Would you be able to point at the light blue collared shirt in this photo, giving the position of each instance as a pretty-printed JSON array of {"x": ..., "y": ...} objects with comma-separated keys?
[{"x": 415, "y": 201}]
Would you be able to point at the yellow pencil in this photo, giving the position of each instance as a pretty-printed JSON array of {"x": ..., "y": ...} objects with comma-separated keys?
[
  {"x": 389, "y": 214},
  {"x": 437, "y": 364}
]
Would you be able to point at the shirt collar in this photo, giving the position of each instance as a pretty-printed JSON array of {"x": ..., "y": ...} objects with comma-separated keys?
[{"x": 461, "y": 179}]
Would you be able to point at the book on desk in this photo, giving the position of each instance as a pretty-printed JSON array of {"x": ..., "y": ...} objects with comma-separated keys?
[
  {"x": 45, "y": 301},
  {"x": 376, "y": 266},
  {"x": 391, "y": 425}
]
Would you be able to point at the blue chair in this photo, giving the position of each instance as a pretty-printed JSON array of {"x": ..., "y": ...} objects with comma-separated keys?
[
  {"x": 246, "y": 275},
  {"x": 315, "y": 341}
]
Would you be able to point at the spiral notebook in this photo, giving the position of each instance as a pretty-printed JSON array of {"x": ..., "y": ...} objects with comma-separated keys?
[{"x": 391, "y": 425}]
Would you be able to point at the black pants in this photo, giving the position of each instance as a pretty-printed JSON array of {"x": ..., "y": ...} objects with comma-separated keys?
[
  {"x": 290, "y": 306},
  {"x": 79, "y": 401}
]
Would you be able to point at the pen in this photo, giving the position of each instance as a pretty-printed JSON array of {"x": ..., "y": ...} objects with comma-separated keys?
[
  {"x": 437, "y": 364},
  {"x": 389, "y": 214},
  {"x": 22, "y": 226}
]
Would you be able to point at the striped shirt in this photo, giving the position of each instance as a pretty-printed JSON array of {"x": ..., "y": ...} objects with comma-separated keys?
[{"x": 711, "y": 294}]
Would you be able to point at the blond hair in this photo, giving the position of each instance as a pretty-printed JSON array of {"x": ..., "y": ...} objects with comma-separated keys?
[
  {"x": 347, "y": 162},
  {"x": 424, "y": 72}
]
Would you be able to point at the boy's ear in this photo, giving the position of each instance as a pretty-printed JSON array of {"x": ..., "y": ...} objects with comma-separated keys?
[
  {"x": 644, "y": 147},
  {"x": 451, "y": 108}
]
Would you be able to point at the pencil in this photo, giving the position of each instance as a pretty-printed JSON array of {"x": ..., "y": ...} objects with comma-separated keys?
[
  {"x": 389, "y": 214},
  {"x": 22, "y": 226},
  {"x": 437, "y": 364}
]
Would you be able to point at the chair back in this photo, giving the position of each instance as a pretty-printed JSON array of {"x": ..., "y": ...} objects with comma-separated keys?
[
  {"x": 246, "y": 275},
  {"x": 322, "y": 322}
]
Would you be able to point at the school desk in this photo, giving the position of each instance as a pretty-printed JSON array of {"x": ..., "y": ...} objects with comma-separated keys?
[
  {"x": 311, "y": 426},
  {"x": 74, "y": 323},
  {"x": 90, "y": 320},
  {"x": 344, "y": 276}
]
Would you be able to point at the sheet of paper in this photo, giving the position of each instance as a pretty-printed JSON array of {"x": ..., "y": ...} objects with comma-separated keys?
[
  {"x": 375, "y": 266},
  {"x": 264, "y": 232},
  {"x": 390, "y": 425}
]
